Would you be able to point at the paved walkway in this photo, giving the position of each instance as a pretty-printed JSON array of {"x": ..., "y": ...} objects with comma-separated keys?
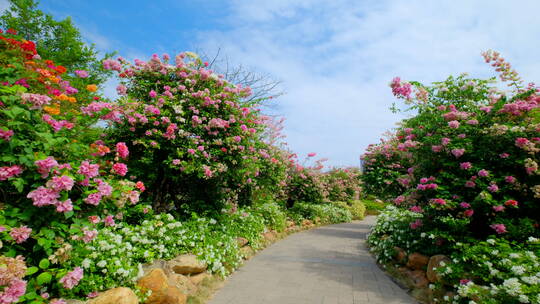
[{"x": 328, "y": 265}]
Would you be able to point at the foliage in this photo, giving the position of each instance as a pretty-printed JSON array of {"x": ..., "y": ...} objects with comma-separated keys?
[
  {"x": 324, "y": 213},
  {"x": 59, "y": 41},
  {"x": 273, "y": 214}
]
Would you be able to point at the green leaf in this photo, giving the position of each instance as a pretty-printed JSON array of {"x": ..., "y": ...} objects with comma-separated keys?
[
  {"x": 44, "y": 264},
  {"x": 31, "y": 270},
  {"x": 44, "y": 278}
]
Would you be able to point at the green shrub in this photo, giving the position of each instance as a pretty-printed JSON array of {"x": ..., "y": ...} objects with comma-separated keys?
[
  {"x": 373, "y": 207},
  {"x": 273, "y": 215},
  {"x": 326, "y": 213},
  {"x": 357, "y": 209}
]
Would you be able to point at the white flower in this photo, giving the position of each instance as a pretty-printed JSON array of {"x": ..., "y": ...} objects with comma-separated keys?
[
  {"x": 491, "y": 241},
  {"x": 102, "y": 263},
  {"x": 86, "y": 263}
]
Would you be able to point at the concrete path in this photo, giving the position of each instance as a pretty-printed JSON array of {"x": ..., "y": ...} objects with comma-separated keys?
[{"x": 328, "y": 265}]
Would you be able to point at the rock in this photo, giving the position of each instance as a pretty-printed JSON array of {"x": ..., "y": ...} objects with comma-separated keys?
[
  {"x": 246, "y": 252},
  {"x": 434, "y": 262},
  {"x": 307, "y": 223},
  {"x": 183, "y": 283},
  {"x": 400, "y": 256},
  {"x": 198, "y": 278},
  {"x": 417, "y": 261},
  {"x": 270, "y": 236},
  {"x": 170, "y": 295},
  {"x": 187, "y": 264},
  {"x": 155, "y": 280},
  {"x": 290, "y": 224},
  {"x": 418, "y": 278},
  {"x": 120, "y": 295},
  {"x": 157, "y": 264},
  {"x": 242, "y": 241},
  {"x": 75, "y": 302}
]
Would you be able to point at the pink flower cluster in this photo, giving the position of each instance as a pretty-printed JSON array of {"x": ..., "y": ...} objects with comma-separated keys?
[
  {"x": 72, "y": 278},
  {"x": 37, "y": 100},
  {"x": 400, "y": 89},
  {"x": 11, "y": 171},
  {"x": 20, "y": 234},
  {"x": 57, "y": 125},
  {"x": 6, "y": 134}
]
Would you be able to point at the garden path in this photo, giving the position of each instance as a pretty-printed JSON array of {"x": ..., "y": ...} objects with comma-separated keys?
[{"x": 327, "y": 265}]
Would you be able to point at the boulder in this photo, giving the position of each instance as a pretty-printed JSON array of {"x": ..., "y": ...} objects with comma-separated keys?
[
  {"x": 435, "y": 262},
  {"x": 157, "y": 264},
  {"x": 75, "y": 302},
  {"x": 307, "y": 223},
  {"x": 242, "y": 241},
  {"x": 418, "y": 278},
  {"x": 155, "y": 280},
  {"x": 183, "y": 283},
  {"x": 162, "y": 292},
  {"x": 417, "y": 261},
  {"x": 198, "y": 278},
  {"x": 290, "y": 224},
  {"x": 186, "y": 264},
  {"x": 400, "y": 256},
  {"x": 170, "y": 295},
  {"x": 270, "y": 236},
  {"x": 120, "y": 295}
]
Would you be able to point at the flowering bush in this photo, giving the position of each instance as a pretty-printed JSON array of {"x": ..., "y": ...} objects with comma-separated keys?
[
  {"x": 51, "y": 178},
  {"x": 464, "y": 170}
]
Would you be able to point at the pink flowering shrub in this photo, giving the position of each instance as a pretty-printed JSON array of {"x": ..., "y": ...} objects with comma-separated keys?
[
  {"x": 54, "y": 170},
  {"x": 467, "y": 165}
]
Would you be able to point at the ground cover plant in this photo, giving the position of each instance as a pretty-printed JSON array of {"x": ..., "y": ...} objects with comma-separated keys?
[{"x": 463, "y": 173}]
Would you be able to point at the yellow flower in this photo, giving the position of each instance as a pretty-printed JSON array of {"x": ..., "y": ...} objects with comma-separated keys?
[{"x": 91, "y": 87}]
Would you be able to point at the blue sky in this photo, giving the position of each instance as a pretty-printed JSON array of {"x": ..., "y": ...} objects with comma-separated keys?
[{"x": 334, "y": 58}]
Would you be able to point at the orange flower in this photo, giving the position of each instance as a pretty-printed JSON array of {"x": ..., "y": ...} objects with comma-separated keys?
[
  {"x": 54, "y": 79},
  {"x": 60, "y": 69},
  {"x": 91, "y": 87},
  {"x": 53, "y": 110},
  {"x": 44, "y": 73}
]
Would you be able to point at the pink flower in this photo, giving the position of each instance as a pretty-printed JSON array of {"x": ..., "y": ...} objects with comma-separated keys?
[
  {"x": 416, "y": 209},
  {"x": 152, "y": 94},
  {"x": 140, "y": 185},
  {"x": 72, "y": 278},
  {"x": 493, "y": 188},
  {"x": 510, "y": 179},
  {"x": 58, "y": 301},
  {"x": 191, "y": 151},
  {"x": 237, "y": 139},
  {"x": 6, "y": 134},
  {"x": 81, "y": 73},
  {"x": 207, "y": 171},
  {"x": 458, "y": 152},
  {"x": 93, "y": 294},
  {"x": 424, "y": 180},
  {"x": 511, "y": 202},
  {"x": 470, "y": 184},
  {"x": 94, "y": 219},
  {"x": 13, "y": 291},
  {"x": 312, "y": 154},
  {"x": 120, "y": 169},
  {"x": 64, "y": 206},
  {"x": 109, "y": 221},
  {"x": 472, "y": 122},
  {"x": 176, "y": 162},
  {"x": 20, "y": 234},
  {"x": 89, "y": 170},
  {"x": 468, "y": 213},
  {"x": 454, "y": 124},
  {"x": 498, "y": 208},
  {"x": 45, "y": 165},
  {"x": 504, "y": 155},
  {"x": 111, "y": 64},
  {"x": 465, "y": 205},
  {"x": 37, "y": 100},
  {"x": 483, "y": 173},
  {"x": 200, "y": 148},
  {"x": 499, "y": 228},
  {"x": 43, "y": 196},
  {"x": 416, "y": 224},
  {"x": 121, "y": 89},
  {"x": 521, "y": 142},
  {"x": 436, "y": 149},
  {"x": 401, "y": 89},
  {"x": 465, "y": 165},
  {"x": 8, "y": 172},
  {"x": 445, "y": 141},
  {"x": 89, "y": 235},
  {"x": 93, "y": 199},
  {"x": 104, "y": 188},
  {"x": 122, "y": 150},
  {"x": 398, "y": 200},
  {"x": 59, "y": 183},
  {"x": 439, "y": 201}
]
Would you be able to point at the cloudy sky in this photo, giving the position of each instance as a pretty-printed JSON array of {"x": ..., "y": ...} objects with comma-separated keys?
[{"x": 334, "y": 57}]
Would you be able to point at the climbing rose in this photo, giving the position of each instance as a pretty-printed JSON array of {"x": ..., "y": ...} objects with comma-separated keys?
[
  {"x": 59, "y": 183},
  {"x": 458, "y": 152},
  {"x": 89, "y": 170},
  {"x": 6, "y": 134},
  {"x": 465, "y": 165},
  {"x": 483, "y": 173},
  {"x": 454, "y": 124},
  {"x": 120, "y": 169},
  {"x": 122, "y": 150},
  {"x": 37, "y": 100},
  {"x": 45, "y": 165},
  {"x": 20, "y": 234},
  {"x": 43, "y": 196},
  {"x": 71, "y": 279},
  {"x": 13, "y": 291},
  {"x": 499, "y": 228},
  {"x": 81, "y": 73},
  {"x": 64, "y": 206},
  {"x": 7, "y": 172}
]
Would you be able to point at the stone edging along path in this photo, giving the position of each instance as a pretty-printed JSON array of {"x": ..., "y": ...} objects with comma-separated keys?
[{"x": 326, "y": 265}]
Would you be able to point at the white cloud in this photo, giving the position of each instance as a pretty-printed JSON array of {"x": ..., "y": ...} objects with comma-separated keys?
[{"x": 336, "y": 58}]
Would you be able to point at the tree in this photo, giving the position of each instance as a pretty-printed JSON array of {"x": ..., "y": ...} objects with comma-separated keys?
[{"x": 59, "y": 41}]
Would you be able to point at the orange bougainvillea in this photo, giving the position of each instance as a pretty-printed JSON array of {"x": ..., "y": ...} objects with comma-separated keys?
[{"x": 92, "y": 87}]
